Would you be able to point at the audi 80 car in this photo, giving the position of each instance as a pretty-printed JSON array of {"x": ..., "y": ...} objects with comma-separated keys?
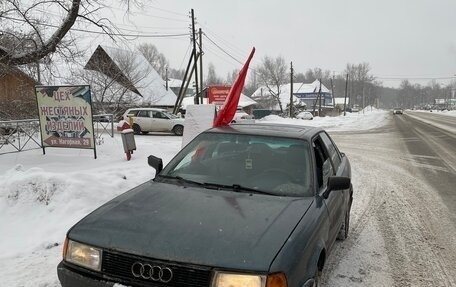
[{"x": 251, "y": 205}]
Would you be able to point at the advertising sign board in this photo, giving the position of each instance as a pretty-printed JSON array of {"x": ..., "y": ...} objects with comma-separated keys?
[
  {"x": 65, "y": 114},
  {"x": 217, "y": 94}
]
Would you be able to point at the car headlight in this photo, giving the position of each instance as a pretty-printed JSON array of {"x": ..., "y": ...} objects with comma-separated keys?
[
  {"x": 83, "y": 255},
  {"x": 226, "y": 279},
  {"x": 222, "y": 279}
]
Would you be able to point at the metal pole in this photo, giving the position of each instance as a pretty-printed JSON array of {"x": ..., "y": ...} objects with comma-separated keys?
[
  {"x": 194, "y": 53},
  {"x": 345, "y": 99},
  {"x": 201, "y": 62},
  {"x": 181, "y": 90},
  {"x": 166, "y": 75},
  {"x": 319, "y": 96},
  {"x": 291, "y": 90}
]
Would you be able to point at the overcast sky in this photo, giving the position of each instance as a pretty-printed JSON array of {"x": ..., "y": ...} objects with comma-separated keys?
[{"x": 398, "y": 38}]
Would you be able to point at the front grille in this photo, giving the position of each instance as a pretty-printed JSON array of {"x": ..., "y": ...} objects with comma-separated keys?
[{"x": 118, "y": 265}]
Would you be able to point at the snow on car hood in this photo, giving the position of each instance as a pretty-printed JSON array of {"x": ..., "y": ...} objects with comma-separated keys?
[{"x": 192, "y": 225}]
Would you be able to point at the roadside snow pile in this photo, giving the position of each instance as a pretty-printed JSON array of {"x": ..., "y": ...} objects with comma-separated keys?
[
  {"x": 36, "y": 205},
  {"x": 369, "y": 118}
]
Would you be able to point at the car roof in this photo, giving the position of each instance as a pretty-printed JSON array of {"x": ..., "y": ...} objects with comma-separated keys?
[
  {"x": 147, "y": 109},
  {"x": 269, "y": 129}
]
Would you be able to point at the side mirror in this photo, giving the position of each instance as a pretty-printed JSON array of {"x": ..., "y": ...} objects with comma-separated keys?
[
  {"x": 156, "y": 163},
  {"x": 337, "y": 183}
]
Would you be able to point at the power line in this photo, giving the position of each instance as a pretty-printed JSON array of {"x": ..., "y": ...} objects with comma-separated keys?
[
  {"x": 119, "y": 25},
  {"x": 155, "y": 16},
  {"x": 103, "y": 33},
  {"x": 414, "y": 78},
  {"x": 227, "y": 53},
  {"x": 169, "y": 11},
  {"x": 239, "y": 51}
]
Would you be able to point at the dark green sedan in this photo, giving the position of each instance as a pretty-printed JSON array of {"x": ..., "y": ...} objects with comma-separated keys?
[{"x": 247, "y": 205}]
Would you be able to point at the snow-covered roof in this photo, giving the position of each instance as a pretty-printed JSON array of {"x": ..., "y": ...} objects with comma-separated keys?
[
  {"x": 142, "y": 79},
  {"x": 174, "y": 83},
  {"x": 340, "y": 101},
  {"x": 298, "y": 88}
]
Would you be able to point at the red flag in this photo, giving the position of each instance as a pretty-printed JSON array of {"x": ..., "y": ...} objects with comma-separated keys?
[{"x": 226, "y": 114}]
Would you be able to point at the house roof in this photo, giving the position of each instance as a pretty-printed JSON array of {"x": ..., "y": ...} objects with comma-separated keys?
[
  {"x": 141, "y": 78},
  {"x": 298, "y": 88},
  {"x": 7, "y": 70},
  {"x": 244, "y": 101},
  {"x": 340, "y": 101}
]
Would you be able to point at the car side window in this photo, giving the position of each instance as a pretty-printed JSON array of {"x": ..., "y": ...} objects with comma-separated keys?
[
  {"x": 133, "y": 112},
  {"x": 323, "y": 165},
  {"x": 159, "y": 115},
  {"x": 143, "y": 114},
  {"x": 333, "y": 152}
]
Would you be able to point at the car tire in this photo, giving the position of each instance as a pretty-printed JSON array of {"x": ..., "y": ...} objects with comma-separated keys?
[
  {"x": 144, "y": 133},
  {"x": 316, "y": 278},
  {"x": 136, "y": 129},
  {"x": 343, "y": 232},
  {"x": 178, "y": 130}
]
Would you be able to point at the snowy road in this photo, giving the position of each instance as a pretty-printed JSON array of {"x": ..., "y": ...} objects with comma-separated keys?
[{"x": 403, "y": 229}]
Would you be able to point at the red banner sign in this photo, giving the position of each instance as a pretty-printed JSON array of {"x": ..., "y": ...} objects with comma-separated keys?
[{"x": 217, "y": 94}]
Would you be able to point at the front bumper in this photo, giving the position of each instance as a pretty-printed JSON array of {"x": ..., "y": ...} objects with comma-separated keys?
[{"x": 70, "y": 278}]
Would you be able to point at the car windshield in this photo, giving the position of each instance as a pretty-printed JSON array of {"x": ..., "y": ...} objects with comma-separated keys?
[
  {"x": 170, "y": 115},
  {"x": 266, "y": 164}
]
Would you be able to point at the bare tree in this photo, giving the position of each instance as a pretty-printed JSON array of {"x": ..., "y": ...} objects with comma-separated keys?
[
  {"x": 212, "y": 78},
  {"x": 231, "y": 77},
  {"x": 112, "y": 94},
  {"x": 35, "y": 37},
  {"x": 155, "y": 58},
  {"x": 361, "y": 84},
  {"x": 272, "y": 73}
]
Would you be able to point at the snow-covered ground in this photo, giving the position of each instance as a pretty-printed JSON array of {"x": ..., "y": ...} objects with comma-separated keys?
[
  {"x": 445, "y": 112},
  {"x": 42, "y": 196}
]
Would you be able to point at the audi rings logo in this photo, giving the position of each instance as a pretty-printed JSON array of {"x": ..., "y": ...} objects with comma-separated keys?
[{"x": 152, "y": 272}]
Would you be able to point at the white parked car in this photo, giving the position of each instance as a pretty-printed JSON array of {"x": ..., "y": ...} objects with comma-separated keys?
[
  {"x": 242, "y": 116},
  {"x": 305, "y": 116},
  {"x": 147, "y": 120}
]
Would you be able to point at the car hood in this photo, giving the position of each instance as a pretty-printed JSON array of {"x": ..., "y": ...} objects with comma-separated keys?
[{"x": 192, "y": 225}]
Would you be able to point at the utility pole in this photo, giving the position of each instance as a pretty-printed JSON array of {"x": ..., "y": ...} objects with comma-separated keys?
[
  {"x": 291, "y": 90},
  {"x": 183, "y": 88},
  {"x": 332, "y": 91},
  {"x": 201, "y": 62},
  {"x": 363, "y": 97},
  {"x": 166, "y": 79},
  {"x": 195, "y": 57},
  {"x": 319, "y": 105},
  {"x": 345, "y": 99}
]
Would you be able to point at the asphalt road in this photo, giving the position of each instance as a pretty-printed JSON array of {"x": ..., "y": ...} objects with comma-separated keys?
[{"x": 403, "y": 228}]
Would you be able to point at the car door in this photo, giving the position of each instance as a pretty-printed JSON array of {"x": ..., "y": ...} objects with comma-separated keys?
[
  {"x": 161, "y": 122},
  {"x": 144, "y": 120},
  {"x": 335, "y": 201}
]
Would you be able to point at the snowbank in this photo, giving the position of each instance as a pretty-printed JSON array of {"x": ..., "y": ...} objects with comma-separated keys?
[{"x": 369, "y": 118}]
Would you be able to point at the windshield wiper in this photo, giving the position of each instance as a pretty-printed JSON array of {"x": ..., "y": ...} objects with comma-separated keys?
[
  {"x": 236, "y": 187},
  {"x": 208, "y": 185},
  {"x": 182, "y": 179}
]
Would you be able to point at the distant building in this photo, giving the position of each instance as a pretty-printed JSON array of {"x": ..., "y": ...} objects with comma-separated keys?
[
  {"x": 175, "y": 85},
  {"x": 303, "y": 94},
  {"x": 339, "y": 102},
  {"x": 17, "y": 94}
]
